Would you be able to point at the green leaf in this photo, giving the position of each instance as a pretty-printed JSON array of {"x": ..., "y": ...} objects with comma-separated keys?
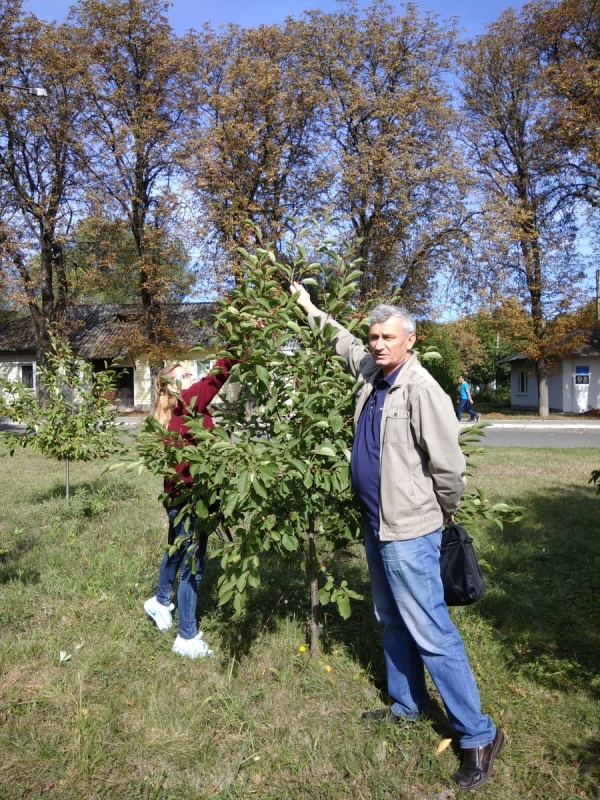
[
  {"x": 225, "y": 597},
  {"x": 289, "y": 542},
  {"x": 324, "y": 596},
  {"x": 239, "y": 601},
  {"x": 263, "y": 375},
  {"x": 230, "y": 504},
  {"x": 336, "y": 423},
  {"x": 259, "y": 488},
  {"x": 325, "y": 450},
  {"x": 343, "y": 604},
  {"x": 254, "y": 579}
]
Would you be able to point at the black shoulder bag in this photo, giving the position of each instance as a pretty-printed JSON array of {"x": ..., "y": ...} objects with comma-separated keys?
[{"x": 461, "y": 574}]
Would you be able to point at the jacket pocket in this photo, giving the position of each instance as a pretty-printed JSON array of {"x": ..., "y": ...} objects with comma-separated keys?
[{"x": 396, "y": 426}]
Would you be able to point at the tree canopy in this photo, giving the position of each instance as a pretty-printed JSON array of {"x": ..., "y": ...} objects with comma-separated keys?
[
  {"x": 528, "y": 212},
  {"x": 469, "y": 166}
]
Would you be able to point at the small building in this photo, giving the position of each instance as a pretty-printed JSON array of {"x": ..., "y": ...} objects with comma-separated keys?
[
  {"x": 574, "y": 383},
  {"x": 101, "y": 333}
]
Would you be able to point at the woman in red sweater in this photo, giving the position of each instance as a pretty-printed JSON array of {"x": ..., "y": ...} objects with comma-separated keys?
[{"x": 171, "y": 412}]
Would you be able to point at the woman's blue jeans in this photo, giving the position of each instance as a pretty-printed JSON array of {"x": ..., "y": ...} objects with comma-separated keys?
[
  {"x": 189, "y": 580},
  {"x": 417, "y": 632}
]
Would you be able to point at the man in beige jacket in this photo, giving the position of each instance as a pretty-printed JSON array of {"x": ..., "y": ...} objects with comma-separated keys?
[{"x": 409, "y": 474}]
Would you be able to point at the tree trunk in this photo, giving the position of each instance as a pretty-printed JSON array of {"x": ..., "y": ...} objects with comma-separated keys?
[
  {"x": 53, "y": 303},
  {"x": 67, "y": 480},
  {"x": 313, "y": 575},
  {"x": 542, "y": 380}
]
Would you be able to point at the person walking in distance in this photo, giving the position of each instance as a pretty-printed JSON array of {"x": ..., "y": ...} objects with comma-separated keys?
[
  {"x": 465, "y": 401},
  {"x": 409, "y": 474},
  {"x": 170, "y": 410}
]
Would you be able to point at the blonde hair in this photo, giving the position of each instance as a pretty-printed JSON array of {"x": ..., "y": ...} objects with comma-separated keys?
[{"x": 164, "y": 400}]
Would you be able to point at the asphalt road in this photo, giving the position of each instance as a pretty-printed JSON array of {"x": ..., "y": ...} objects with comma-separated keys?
[
  {"x": 559, "y": 433},
  {"x": 530, "y": 433}
]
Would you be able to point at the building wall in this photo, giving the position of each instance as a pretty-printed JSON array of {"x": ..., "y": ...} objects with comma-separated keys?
[
  {"x": 581, "y": 397},
  {"x": 12, "y": 365},
  {"x": 523, "y": 385},
  {"x": 555, "y": 392},
  {"x": 141, "y": 384},
  {"x": 197, "y": 363},
  {"x": 565, "y": 393}
]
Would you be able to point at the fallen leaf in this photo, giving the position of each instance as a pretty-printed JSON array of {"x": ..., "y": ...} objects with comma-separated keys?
[{"x": 443, "y": 745}]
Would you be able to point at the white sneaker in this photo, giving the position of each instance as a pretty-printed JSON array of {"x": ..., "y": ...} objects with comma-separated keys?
[
  {"x": 159, "y": 613},
  {"x": 192, "y": 648}
]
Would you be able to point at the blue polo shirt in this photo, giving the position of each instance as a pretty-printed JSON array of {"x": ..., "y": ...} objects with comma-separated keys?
[{"x": 366, "y": 448}]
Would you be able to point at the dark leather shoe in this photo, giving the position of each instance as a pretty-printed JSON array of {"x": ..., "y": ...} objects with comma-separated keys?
[{"x": 477, "y": 763}]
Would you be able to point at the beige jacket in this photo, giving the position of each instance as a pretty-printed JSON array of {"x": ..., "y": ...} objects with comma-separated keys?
[{"x": 422, "y": 468}]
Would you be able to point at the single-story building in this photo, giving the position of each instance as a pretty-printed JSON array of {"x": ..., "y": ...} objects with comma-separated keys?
[
  {"x": 574, "y": 383},
  {"x": 101, "y": 333}
]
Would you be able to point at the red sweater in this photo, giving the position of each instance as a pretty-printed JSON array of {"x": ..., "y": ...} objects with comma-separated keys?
[{"x": 204, "y": 391}]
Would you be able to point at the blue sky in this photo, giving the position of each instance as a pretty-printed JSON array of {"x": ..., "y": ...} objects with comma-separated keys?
[{"x": 473, "y": 15}]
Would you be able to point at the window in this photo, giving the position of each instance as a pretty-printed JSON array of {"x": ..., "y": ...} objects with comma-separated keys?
[
  {"x": 522, "y": 381},
  {"x": 202, "y": 368},
  {"x": 27, "y": 375},
  {"x": 582, "y": 375}
]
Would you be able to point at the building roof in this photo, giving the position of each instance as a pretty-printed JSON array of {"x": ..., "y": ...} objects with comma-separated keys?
[
  {"x": 107, "y": 331},
  {"x": 587, "y": 345}
]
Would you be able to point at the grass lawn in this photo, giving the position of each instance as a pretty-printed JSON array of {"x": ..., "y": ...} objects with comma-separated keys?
[{"x": 93, "y": 704}]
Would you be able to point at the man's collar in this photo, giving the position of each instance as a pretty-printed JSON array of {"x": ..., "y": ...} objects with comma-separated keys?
[{"x": 389, "y": 379}]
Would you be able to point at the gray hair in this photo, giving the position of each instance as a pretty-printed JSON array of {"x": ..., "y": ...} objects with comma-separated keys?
[{"x": 383, "y": 313}]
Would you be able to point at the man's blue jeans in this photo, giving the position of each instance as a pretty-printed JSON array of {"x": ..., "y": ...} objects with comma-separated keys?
[
  {"x": 417, "y": 631},
  {"x": 189, "y": 581},
  {"x": 465, "y": 405}
]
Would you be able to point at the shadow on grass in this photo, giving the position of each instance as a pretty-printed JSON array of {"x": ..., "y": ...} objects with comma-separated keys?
[
  {"x": 542, "y": 600},
  {"x": 104, "y": 487},
  {"x": 11, "y": 569},
  {"x": 588, "y": 759},
  {"x": 55, "y": 492},
  {"x": 284, "y": 593},
  {"x": 543, "y": 597}
]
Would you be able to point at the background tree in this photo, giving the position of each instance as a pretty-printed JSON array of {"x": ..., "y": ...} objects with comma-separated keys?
[
  {"x": 40, "y": 189},
  {"x": 135, "y": 82},
  {"x": 396, "y": 174},
  {"x": 484, "y": 338},
  {"x": 446, "y": 368},
  {"x": 75, "y": 423},
  {"x": 253, "y": 149},
  {"x": 526, "y": 239},
  {"x": 102, "y": 262},
  {"x": 567, "y": 35}
]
